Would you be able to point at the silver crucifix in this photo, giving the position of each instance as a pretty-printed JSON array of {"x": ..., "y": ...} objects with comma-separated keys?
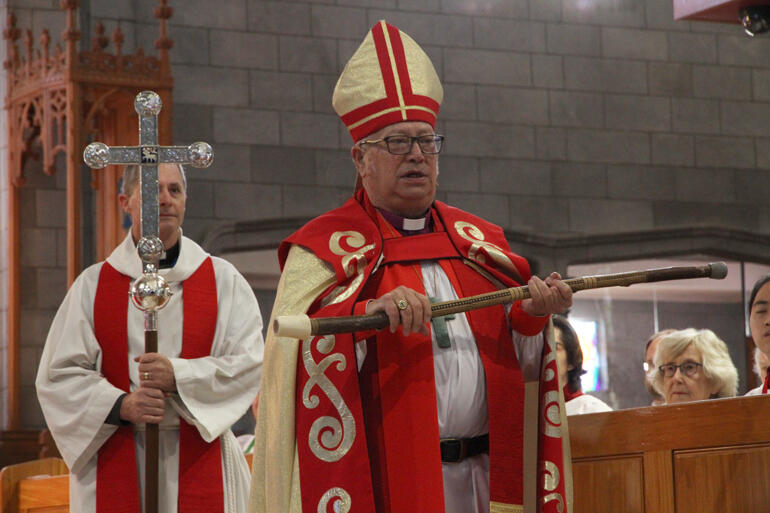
[
  {"x": 150, "y": 292},
  {"x": 149, "y": 155}
]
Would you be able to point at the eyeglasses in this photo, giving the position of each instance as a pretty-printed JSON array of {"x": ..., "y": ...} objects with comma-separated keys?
[
  {"x": 687, "y": 368},
  {"x": 402, "y": 144}
]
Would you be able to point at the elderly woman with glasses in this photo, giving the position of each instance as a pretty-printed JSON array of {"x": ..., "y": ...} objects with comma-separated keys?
[{"x": 694, "y": 365}]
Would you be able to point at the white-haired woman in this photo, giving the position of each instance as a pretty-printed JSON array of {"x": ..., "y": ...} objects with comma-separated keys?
[{"x": 694, "y": 365}]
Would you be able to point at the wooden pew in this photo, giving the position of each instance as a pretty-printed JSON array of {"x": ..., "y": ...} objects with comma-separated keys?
[
  {"x": 35, "y": 486},
  {"x": 704, "y": 457},
  {"x": 39, "y": 486}
]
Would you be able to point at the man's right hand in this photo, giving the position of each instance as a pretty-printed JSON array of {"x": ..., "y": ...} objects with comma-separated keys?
[
  {"x": 414, "y": 313},
  {"x": 144, "y": 405}
]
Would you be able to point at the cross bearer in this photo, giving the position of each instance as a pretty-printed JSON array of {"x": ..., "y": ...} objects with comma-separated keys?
[
  {"x": 424, "y": 417},
  {"x": 98, "y": 388}
]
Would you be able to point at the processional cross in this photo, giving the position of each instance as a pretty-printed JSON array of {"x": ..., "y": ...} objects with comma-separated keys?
[{"x": 149, "y": 292}]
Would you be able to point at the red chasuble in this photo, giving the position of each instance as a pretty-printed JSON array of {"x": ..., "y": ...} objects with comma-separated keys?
[
  {"x": 200, "y": 463},
  {"x": 370, "y": 440}
]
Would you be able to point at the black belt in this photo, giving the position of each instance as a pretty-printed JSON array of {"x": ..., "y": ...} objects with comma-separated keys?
[{"x": 454, "y": 450}]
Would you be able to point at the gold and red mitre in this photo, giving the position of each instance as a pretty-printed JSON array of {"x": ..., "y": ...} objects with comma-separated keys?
[{"x": 389, "y": 79}]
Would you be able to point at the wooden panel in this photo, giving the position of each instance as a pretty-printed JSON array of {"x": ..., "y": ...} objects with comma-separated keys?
[
  {"x": 730, "y": 479},
  {"x": 11, "y": 476},
  {"x": 699, "y": 457},
  {"x": 44, "y": 494},
  {"x": 714, "y": 423},
  {"x": 18, "y": 446},
  {"x": 658, "y": 482},
  {"x": 594, "y": 478}
]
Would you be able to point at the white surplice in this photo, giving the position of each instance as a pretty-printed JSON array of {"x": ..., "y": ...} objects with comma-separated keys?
[
  {"x": 586, "y": 404},
  {"x": 212, "y": 392}
]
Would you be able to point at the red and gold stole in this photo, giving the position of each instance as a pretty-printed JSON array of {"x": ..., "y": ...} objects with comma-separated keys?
[
  {"x": 200, "y": 463},
  {"x": 382, "y": 454},
  {"x": 400, "y": 390}
]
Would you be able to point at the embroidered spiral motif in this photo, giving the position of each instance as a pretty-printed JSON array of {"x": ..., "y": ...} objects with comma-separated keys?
[
  {"x": 330, "y": 438},
  {"x": 554, "y": 497},
  {"x": 480, "y": 248},
  {"x": 551, "y": 421},
  {"x": 341, "y": 498},
  {"x": 551, "y": 475},
  {"x": 350, "y": 246},
  {"x": 549, "y": 364},
  {"x": 551, "y": 411}
]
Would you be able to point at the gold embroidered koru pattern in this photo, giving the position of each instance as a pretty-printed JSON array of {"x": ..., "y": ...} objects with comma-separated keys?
[
  {"x": 551, "y": 477},
  {"x": 350, "y": 246},
  {"x": 330, "y": 438},
  {"x": 550, "y": 424},
  {"x": 481, "y": 248},
  {"x": 342, "y": 502}
]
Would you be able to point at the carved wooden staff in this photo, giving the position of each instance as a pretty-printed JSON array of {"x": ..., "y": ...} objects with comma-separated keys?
[{"x": 302, "y": 326}]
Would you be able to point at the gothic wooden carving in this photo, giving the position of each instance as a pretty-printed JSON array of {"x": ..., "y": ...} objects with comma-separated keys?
[{"x": 58, "y": 99}]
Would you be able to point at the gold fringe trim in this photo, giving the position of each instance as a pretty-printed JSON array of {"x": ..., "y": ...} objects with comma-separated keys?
[{"x": 501, "y": 507}]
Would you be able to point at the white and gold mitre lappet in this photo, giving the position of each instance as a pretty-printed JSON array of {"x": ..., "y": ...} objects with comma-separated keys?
[{"x": 387, "y": 80}]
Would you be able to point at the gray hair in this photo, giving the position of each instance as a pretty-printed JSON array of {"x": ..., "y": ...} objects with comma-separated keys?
[
  {"x": 657, "y": 335},
  {"x": 717, "y": 365},
  {"x": 131, "y": 178}
]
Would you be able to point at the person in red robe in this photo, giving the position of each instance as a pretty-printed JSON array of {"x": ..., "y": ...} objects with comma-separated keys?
[{"x": 424, "y": 416}]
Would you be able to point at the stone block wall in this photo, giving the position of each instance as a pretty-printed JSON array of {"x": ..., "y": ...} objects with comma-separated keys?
[
  {"x": 611, "y": 113},
  {"x": 561, "y": 117}
]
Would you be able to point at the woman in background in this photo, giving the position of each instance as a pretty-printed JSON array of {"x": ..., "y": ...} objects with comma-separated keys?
[
  {"x": 694, "y": 365},
  {"x": 569, "y": 360},
  {"x": 759, "y": 324}
]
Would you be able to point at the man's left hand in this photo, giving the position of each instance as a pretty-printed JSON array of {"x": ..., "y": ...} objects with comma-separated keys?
[
  {"x": 156, "y": 371},
  {"x": 549, "y": 296}
]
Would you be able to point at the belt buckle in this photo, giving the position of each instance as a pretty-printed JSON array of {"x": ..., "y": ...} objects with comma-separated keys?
[{"x": 457, "y": 449}]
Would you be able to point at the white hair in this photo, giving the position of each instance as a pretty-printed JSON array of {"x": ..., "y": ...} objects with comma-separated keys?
[{"x": 717, "y": 365}]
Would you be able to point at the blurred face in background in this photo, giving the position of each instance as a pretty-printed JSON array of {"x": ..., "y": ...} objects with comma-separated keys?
[
  {"x": 561, "y": 356},
  {"x": 759, "y": 319},
  {"x": 649, "y": 358}
]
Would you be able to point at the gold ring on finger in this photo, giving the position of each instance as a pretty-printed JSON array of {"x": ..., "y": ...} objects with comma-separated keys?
[{"x": 402, "y": 304}]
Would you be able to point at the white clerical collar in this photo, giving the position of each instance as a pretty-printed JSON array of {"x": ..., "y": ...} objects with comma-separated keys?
[
  {"x": 406, "y": 224},
  {"x": 413, "y": 224}
]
